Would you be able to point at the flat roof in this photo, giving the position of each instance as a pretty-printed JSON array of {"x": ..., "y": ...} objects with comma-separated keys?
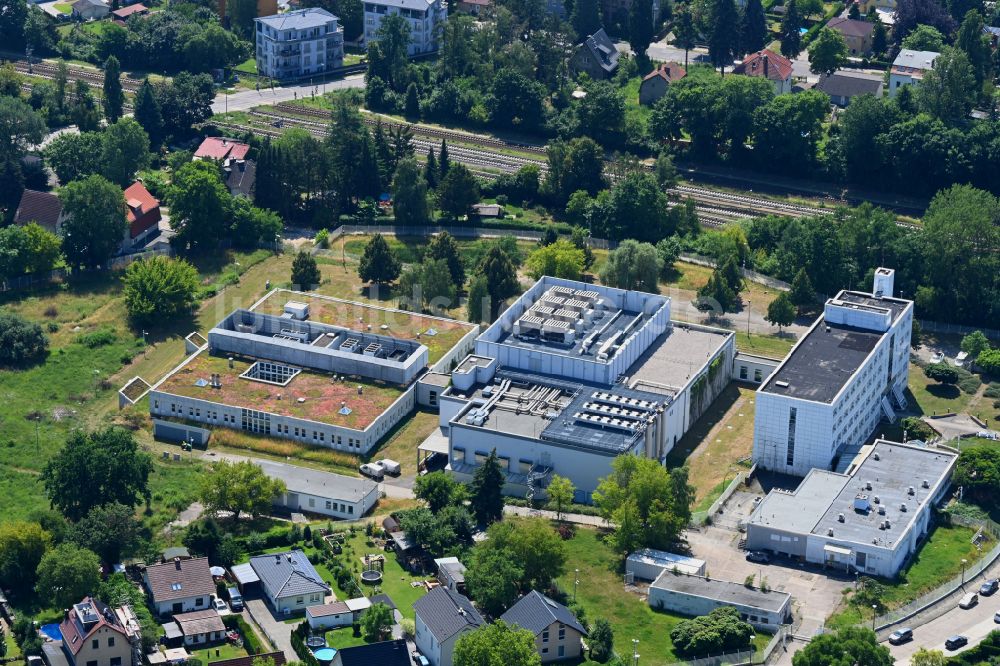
[
  {"x": 438, "y": 334},
  {"x": 614, "y": 321},
  {"x": 828, "y": 356},
  {"x": 300, "y": 19},
  {"x": 676, "y": 357},
  {"x": 320, "y": 393},
  {"x": 891, "y": 468},
  {"x": 725, "y": 592},
  {"x": 314, "y": 482}
]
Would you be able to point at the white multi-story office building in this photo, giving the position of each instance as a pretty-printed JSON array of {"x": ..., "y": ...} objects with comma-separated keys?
[
  {"x": 842, "y": 377},
  {"x": 301, "y": 43},
  {"x": 426, "y": 18}
]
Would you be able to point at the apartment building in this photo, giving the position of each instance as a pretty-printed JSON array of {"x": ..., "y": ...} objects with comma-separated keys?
[
  {"x": 300, "y": 43},
  {"x": 426, "y": 19}
]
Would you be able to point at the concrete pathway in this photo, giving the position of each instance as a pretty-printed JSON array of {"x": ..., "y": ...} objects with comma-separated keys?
[
  {"x": 276, "y": 630},
  {"x": 576, "y": 518},
  {"x": 248, "y": 99}
]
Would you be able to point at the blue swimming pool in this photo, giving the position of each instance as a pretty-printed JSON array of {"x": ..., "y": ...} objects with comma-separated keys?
[
  {"x": 803, "y": 31},
  {"x": 51, "y": 631},
  {"x": 325, "y": 655}
]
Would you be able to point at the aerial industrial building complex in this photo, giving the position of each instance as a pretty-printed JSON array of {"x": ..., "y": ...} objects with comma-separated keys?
[
  {"x": 869, "y": 520},
  {"x": 573, "y": 375},
  {"x": 826, "y": 398},
  {"x": 313, "y": 369}
]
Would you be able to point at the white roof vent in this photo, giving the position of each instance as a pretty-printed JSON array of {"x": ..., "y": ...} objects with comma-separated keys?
[
  {"x": 925, "y": 484},
  {"x": 910, "y": 491},
  {"x": 829, "y": 532},
  {"x": 876, "y": 456},
  {"x": 902, "y": 507},
  {"x": 868, "y": 485}
]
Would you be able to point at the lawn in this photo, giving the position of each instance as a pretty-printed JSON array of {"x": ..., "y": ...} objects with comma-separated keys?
[
  {"x": 633, "y": 110},
  {"x": 602, "y": 594},
  {"x": 930, "y": 397},
  {"x": 343, "y": 637},
  {"x": 248, "y": 66},
  {"x": 218, "y": 653},
  {"x": 717, "y": 441},
  {"x": 772, "y": 346},
  {"x": 402, "y": 442},
  {"x": 64, "y": 7}
]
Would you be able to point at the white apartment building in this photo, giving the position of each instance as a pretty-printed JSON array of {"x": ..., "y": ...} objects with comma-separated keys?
[
  {"x": 839, "y": 380},
  {"x": 426, "y": 19},
  {"x": 909, "y": 68},
  {"x": 300, "y": 43}
]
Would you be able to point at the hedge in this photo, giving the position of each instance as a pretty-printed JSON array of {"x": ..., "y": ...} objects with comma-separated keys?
[{"x": 250, "y": 641}]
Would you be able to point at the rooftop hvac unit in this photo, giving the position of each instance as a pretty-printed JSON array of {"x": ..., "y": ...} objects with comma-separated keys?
[
  {"x": 350, "y": 345},
  {"x": 881, "y": 511},
  {"x": 829, "y": 532},
  {"x": 910, "y": 491},
  {"x": 902, "y": 507},
  {"x": 861, "y": 503},
  {"x": 840, "y": 517},
  {"x": 887, "y": 524},
  {"x": 925, "y": 484},
  {"x": 868, "y": 485},
  {"x": 875, "y": 499},
  {"x": 876, "y": 456},
  {"x": 373, "y": 349}
]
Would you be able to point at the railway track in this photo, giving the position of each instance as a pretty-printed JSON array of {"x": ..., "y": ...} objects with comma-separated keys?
[{"x": 93, "y": 78}]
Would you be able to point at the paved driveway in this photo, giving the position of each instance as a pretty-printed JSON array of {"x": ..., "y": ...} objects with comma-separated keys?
[{"x": 279, "y": 632}]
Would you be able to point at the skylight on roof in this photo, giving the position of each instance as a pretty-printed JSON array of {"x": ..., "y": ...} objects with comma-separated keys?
[{"x": 175, "y": 586}]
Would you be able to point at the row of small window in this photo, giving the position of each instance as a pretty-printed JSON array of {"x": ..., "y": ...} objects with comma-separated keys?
[
  {"x": 333, "y": 506},
  {"x": 115, "y": 661},
  {"x": 523, "y": 465},
  {"x": 561, "y": 651},
  {"x": 754, "y": 618},
  {"x": 758, "y": 375}
]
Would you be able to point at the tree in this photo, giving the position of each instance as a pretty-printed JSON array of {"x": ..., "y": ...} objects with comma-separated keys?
[
  {"x": 27, "y": 249},
  {"x": 486, "y": 490},
  {"x": 581, "y": 241},
  {"x": 21, "y": 342},
  {"x": 492, "y": 578},
  {"x": 22, "y": 546},
  {"x": 685, "y": 32},
  {"x": 753, "y": 28},
  {"x": 791, "y": 39},
  {"x": 941, "y": 372},
  {"x": 241, "y": 14},
  {"x": 199, "y": 206},
  {"x": 431, "y": 169},
  {"x": 989, "y": 362},
  {"x": 159, "y": 289},
  {"x": 573, "y": 166},
  {"x": 802, "y": 293},
  {"x": 114, "y": 97},
  {"x": 148, "y": 113},
  {"x": 83, "y": 111},
  {"x": 111, "y": 531},
  {"x": 239, "y": 487},
  {"x": 458, "y": 191},
  {"x": 108, "y": 462},
  {"x": 443, "y": 246},
  {"x": 649, "y": 504},
  {"x": 561, "y": 492},
  {"x": 378, "y": 263},
  {"x": 641, "y": 26},
  {"x": 925, "y": 657},
  {"x": 428, "y": 285},
  {"x": 251, "y": 227},
  {"x": 974, "y": 344},
  {"x": 479, "y": 295},
  {"x": 501, "y": 278},
  {"x": 409, "y": 194},
  {"x": 880, "y": 38},
  {"x": 12, "y": 17},
  {"x": 204, "y": 537},
  {"x": 586, "y": 18},
  {"x": 637, "y": 208},
  {"x": 633, "y": 265},
  {"x": 305, "y": 272},
  {"x": 444, "y": 162},
  {"x": 124, "y": 151},
  {"x": 376, "y": 623},
  {"x": 828, "y": 52},
  {"x": 948, "y": 91},
  {"x": 20, "y": 127},
  {"x": 497, "y": 644},
  {"x": 723, "y": 33},
  {"x": 978, "y": 472},
  {"x": 781, "y": 311},
  {"x": 602, "y": 641},
  {"x": 560, "y": 259},
  {"x": 67, "y": 574},
  {"x": 851, "y": 645},
  {"x": 976, "y": 46},
  {"x": 73, "y": 156},
  {"x": 515, "y": 100},
  {"x": 924, "y": 38},
  {"x": 439, "y": 490},
  {"x": 721, "y": 630}
]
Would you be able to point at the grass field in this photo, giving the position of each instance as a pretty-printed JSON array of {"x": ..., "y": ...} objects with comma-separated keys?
[
  {"x": 218, "y": 653},
  {"x": 930, "y": 397},
  {"x": 401, "y": 444},
  {"x": 772, "y": 346},
  {"x": 602, "y": 594}
]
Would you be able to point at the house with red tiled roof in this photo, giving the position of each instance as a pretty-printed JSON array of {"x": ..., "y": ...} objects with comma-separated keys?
[
  {"x": 857, "y": 34},
  {"x": 138, "y": 9},
  {"x": 654, "y": 85},
  {"x": 221, "y": 148},
  {"x": 93, "y": 634},
  {"x": 143, "y": 213},
  {"x": 769, "y": 65},
  {"x": 43, "y": 208}
]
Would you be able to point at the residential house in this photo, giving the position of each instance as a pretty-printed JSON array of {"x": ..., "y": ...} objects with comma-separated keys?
[
  {"x": 241, "y": 176},
  {"x": 122, "y": 14},
  {"x": 338, "y": 613},
  {"x": 180, "y": 586},
  {"x": 654, "y": 85},
  {"x": 909, "y": 68},
  {"x": 289, "y": 581},
  {"x": 443, "y": 615},
  {"x": 473, "y": 7},
  {"x": 597, "y": 55},
  {"x": 220, "y": 148},
  {"x": 384, "y": 653},
  {"x": 558, "y": 634},
  {"x": 299, "y": 43},
  {"x": 43, "y": 208},
  {"x": 488, "y": 211},
  {"x": 425, "y": 18},
  {"x": 769, "y": 65},
  {"x": 175, "y": 553},
  {"x": 887, "y": 7},
  {"x": 451, "y": 573},
  {"x": 89, "y": 10},
  {"x": 94, "y": 635},
  {"x": 993, "y": 33},
  {"x": 857, "y": 34},
  {"x": 844, "y": 85},
  {"x": 143, "y": 213},
  {"x": 200, "y": 628}
]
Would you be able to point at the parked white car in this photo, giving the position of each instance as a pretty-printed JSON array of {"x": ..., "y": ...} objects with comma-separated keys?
[{"x": 968, "y": 601}]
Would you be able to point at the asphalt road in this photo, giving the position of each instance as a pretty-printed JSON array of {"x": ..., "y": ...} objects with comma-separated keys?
[
  {"x": 247, "y": 99},
  {"x": 974, "y": 624}
]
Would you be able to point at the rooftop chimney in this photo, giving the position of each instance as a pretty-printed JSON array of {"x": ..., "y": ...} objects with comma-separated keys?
[
  {"x": 177, "y": 563},
  {"x": 883, "y": 283}
]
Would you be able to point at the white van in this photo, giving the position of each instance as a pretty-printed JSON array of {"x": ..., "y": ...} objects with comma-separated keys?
[{"x": 373, "y": 470}]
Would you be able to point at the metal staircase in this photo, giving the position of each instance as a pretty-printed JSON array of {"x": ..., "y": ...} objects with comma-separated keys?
[
  {"x": 897, "y": 393},
  {"x": 887, "y": 409}
]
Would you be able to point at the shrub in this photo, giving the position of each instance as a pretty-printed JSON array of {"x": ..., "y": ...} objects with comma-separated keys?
[
  {"x": 917, "y": 428},
  {"x": 21, "y": 342},
  {"x": 941, "y": 372},
  {"x": 159, "y": 287},
  {"x": 99, "y": 338},
  {"x": 969, "y": 384},
  {"x": 322, "y": 238}
]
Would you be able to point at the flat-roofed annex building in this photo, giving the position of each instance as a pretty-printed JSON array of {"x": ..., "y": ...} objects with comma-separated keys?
[
  {"x": 698, "y": 595},
  {"x": 573, "y": 375},
  {"x": 837, "y": 382},
  {"x": 870, "y": 520}
]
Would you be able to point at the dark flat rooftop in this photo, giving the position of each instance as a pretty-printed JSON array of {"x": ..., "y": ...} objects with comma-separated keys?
[{"x": 823, "y": 362}]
